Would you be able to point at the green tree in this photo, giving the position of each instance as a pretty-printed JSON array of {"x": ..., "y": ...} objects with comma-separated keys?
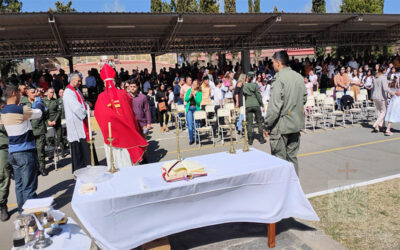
[
  {"x": 318, "y": 6},
  {"x": 275, "y": 9},
  {"x": 9, "y": 6},
  {"x": 185, "y": 6},
  {"x": 156, "y": 6},
  {"x": 254, "y": 6},
  {"x": 209, "y": 6},
  {"x": 257, "y": 6},
  {"x": 63, "y": 8},
  {"x": 362, "y": 6},
  {"x": 230, "y": 6}
]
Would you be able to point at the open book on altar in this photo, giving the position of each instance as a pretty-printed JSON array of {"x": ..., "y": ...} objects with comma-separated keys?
[{"x": 182, "y": 170}]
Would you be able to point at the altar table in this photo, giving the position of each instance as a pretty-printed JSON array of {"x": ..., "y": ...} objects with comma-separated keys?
[{"x": 137, "y": 206}]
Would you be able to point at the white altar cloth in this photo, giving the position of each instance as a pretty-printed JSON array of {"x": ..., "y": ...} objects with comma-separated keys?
[{"x": 138, "y": 206}]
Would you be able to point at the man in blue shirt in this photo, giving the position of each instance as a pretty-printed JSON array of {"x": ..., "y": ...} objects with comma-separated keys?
[{"x": 90, "y": 80}]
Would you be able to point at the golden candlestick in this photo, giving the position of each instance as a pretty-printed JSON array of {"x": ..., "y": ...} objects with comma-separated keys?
[
  {"x": 246, "y": 143},
  {"x": 232, "y": 148},
  {"x": 113, "y": 169},
  {"x": 91, "y": 152},
  {"x": 178, "y": 146}
]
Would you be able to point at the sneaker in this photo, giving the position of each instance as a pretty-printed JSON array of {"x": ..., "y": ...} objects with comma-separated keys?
[{"x": 4, "y": 215}]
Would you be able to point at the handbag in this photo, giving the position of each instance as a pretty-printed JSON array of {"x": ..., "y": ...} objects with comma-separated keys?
[{"x": 162, "y": 106}]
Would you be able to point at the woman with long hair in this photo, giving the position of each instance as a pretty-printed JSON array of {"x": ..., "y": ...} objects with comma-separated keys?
[
  {"x": 162, "y": 100},
  {"x": 393, "y": 110},
  {"x": 355, "y": 83},
  {"x": 193, "y": 101},
  {"x": 380, "y": 92},
  {"x": 368, "y": 83}
]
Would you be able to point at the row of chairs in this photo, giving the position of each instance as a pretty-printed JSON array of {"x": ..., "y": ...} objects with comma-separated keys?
[{"x": 323, "y": 111}]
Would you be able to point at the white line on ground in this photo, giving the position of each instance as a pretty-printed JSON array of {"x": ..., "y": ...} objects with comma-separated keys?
[{"x": 360, "y": 184}]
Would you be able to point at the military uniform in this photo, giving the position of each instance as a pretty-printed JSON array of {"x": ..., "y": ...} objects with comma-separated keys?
[
  {"x": 39, "y": 130},
  {"x": 285, "y": 114},
  {"x": 253, "y": 104},
  {"x": 54, "y": 114},
  {"x": 5, "y": 168},
  {"x": 62, "y": 139}
]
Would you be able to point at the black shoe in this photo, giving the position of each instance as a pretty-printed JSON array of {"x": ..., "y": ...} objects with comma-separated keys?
[
  {"x": 43, "y": 171},
  {"x": 251, "y": 139},
  {"x": 4, "y": 215},
  {"x": 191, "y": 143},
  {"x": 197, "y": 142},
  {"x": 262, "y": 140}
]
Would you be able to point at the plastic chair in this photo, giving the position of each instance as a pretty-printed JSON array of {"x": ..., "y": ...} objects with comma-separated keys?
[{"x": 207, "y": 129}]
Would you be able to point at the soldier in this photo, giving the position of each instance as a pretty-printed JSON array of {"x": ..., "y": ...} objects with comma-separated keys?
[
  {"x": 39, "y": 129},
  {"x": 54, "y": 117},
  {"x": 253, "y": 107},
  {"x": 5, "y": 172},
  {"x": 61, "y": 140},
  {"x": 285, "y": 114}
]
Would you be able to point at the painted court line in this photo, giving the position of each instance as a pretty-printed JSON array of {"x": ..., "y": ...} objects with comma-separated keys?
[
  {"x": 360, "y": 184},
  {"x": 348, "y": 147}
]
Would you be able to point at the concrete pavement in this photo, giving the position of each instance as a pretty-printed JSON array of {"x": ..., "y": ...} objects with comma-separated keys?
[{"x": 322, "y": 158}]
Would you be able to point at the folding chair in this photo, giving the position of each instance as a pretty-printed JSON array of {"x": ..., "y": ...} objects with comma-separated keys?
[
  {"x": 207, "y": 129},
  {"x": 312, "y": 114},
  {"x": 210, "y": 110},
  {"x": 331, "y": 113},
  {"x": 222, "y": 128},
  {"x": 181, "y": 115}
]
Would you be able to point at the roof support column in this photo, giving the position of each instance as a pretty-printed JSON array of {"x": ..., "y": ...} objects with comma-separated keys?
[
  {"x": 153, "y": 64},
  {"x": 246, "y": 60},
  {"x": 70, "y": 64}
]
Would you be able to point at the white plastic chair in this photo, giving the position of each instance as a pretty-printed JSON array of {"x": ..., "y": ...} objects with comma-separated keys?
[
  {"x": 222, "y": 128},
  {"x": 207, "y": 129}
]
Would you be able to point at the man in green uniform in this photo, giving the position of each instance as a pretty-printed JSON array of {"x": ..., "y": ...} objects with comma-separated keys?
[
  {"x": 285, "y": 114},
  {"x": 62, "y": 141},
  {"x": 5, "y": 172},
  {"x": 54, "y": 117},
  {"x": 39, "y": 129},
  {"x": 253, "y": 108}
]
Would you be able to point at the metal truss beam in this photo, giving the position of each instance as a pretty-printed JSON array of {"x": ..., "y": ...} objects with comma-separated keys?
[
  {"x": 64, "y": 50},
  {"x": 170, "y": 35}
]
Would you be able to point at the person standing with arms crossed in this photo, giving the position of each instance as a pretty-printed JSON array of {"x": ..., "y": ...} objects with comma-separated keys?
[{"x": 285, "y": 117}]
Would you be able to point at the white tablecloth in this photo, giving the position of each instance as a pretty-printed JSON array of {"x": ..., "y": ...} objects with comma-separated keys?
[
  {"x": 138, "y": 206},
  {"x": 71, "y": 237}
]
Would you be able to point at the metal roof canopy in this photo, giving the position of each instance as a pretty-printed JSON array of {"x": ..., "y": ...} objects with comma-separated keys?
[{"x": 25, "y": 35}]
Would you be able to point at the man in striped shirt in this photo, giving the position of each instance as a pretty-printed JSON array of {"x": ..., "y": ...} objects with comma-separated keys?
[{"x": 22, "y": 148}]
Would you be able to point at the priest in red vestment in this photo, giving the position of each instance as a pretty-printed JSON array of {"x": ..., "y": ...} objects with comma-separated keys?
[{"x": 115, "y": 106}]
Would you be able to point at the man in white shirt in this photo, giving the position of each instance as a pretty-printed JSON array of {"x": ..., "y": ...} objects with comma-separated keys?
[
  {"x": 353, "y": 63},
  {"x": 75, "y": 115}
]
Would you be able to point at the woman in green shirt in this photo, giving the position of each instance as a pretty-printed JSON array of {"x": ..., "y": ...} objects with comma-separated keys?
[{"x": 193, "y": 100}]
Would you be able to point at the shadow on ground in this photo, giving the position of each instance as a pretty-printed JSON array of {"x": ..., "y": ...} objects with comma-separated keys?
[
  {"x": 230, "y": 231},
  {"x": 67, "y": 189},
  {"x": 155, "y": 153}
]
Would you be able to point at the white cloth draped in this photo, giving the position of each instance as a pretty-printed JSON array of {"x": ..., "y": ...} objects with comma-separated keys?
[
  {"x": 121, "y": 157},
  {"x": 137, "y": 206}
]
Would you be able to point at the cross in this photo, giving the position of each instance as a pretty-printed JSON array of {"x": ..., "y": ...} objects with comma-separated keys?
[{"x": 347, "y": 170}]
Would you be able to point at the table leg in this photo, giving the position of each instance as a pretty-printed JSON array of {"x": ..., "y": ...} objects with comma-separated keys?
[{"x": 271, "y": 235}]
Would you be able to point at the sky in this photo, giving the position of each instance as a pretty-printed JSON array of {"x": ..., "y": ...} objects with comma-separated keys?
[{"x": 391, "y": 6}]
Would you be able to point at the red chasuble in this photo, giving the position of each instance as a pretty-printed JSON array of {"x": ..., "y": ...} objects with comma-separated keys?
[{"x": 115, "y": 106}]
